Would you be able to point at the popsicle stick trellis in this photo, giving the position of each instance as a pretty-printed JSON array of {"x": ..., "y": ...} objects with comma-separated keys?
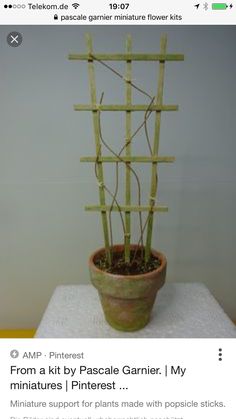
[{"x": 155, "y": 105}]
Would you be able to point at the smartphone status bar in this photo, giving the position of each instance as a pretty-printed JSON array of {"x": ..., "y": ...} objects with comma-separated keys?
[{"x": 124, "y": 12}]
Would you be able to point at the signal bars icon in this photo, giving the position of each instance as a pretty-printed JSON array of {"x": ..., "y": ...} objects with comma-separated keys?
[{"x": 75, "y": 5}]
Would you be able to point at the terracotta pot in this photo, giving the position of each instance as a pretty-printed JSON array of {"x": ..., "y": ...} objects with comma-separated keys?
[{"x": 127, "y": 300}]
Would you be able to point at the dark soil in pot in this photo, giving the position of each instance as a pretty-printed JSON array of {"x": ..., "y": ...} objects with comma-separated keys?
[{"x": 136, "y": 266}]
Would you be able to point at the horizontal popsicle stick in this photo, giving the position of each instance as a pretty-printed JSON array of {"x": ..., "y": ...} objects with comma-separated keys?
[
  {"x": 130, "y": 159},
  {"x": 127, "y": 57},
  {"x": 97, "y": 107},
  {"x": 124, "y": 208}
]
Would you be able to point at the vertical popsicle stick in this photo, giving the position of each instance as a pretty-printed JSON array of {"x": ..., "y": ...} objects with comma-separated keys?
[
  {"x": 93, "y": 95},
  {"x": 128, "y": 151},
  {"x": 154, "y": 181}
]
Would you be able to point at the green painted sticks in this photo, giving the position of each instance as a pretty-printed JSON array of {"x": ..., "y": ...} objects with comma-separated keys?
[
  {"x": 154, "y": 176},
  {"x": 114, "y": 108},
  {"x": 126, "y": 208},
  {"x": 128, "y": 159},
  {"x": 127, "y": 57},
  {"x": 93, "y": 96},
  {"x": 128, "y": 152},
  {"x": 154, "y": 159}
]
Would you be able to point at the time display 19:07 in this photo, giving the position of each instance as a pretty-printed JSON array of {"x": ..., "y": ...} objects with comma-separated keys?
[{"x": 116, "y": 6}]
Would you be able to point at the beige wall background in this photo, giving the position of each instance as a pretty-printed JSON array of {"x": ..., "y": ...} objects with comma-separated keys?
[{"x": 46, "y": 236}]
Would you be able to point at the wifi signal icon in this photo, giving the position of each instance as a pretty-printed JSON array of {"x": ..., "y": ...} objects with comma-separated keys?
[{"x": 75, "y": 5}]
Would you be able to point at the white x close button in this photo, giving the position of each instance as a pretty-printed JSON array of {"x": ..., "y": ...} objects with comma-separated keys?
[{"x": 14, "y": 39}]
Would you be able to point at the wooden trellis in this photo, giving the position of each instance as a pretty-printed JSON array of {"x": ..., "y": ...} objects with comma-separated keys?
[{"x": 156, "y": 106}]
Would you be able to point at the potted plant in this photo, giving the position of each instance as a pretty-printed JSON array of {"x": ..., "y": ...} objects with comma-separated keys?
[{"x": 128, "y": 275}]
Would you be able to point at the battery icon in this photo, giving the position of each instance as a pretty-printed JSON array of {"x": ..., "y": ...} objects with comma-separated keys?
[{"x": 219, "y": 6}]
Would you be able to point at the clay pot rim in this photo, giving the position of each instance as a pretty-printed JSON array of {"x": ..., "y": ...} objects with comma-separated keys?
[{"x": 147, "y": 275}]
